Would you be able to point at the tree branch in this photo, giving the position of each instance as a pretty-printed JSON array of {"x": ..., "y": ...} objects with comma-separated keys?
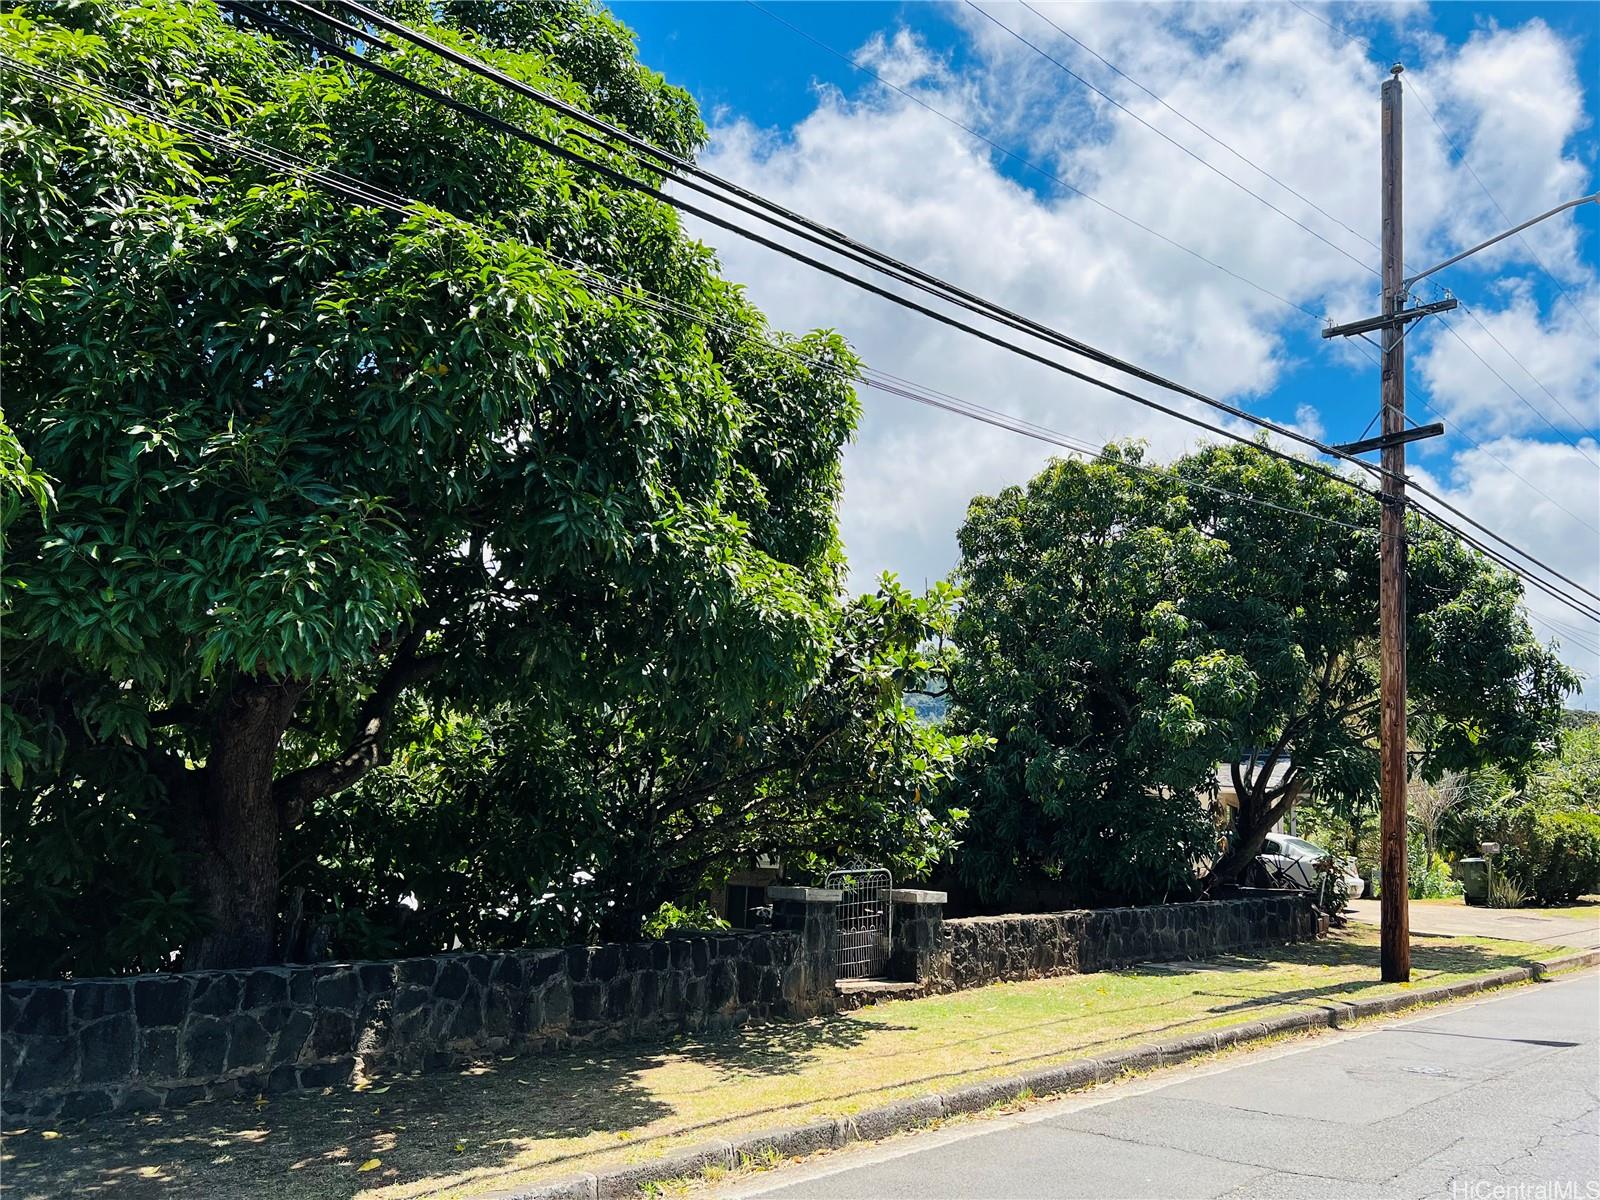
[{"x": 365, "y": 748}]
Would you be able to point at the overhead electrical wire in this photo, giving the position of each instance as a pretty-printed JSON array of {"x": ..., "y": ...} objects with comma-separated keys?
[
  {"x": 287, "y": 162},
  {"x": 1011, "y": 154},
  {"x": 1568, "y": 633},
  {"x": 1411, "y": 85},
  {"x": 1298, "y": 195},
  {"x": 1161, "y": 133},
  {"x": 922, "y": 279},
  {"x": 1505, "y": 466},
  {"x": 1045, "y": 172},
  {"x": 495, "y": 122},
  {"x": 925, "y": 282},
  {"x": 1319, "y": 319},
  {"x": 1461, "y": 156},
  {"x": 1467, "y": 346},
  {"x": 1526, "y": 403},
  {"x": 787, "y": 220}
]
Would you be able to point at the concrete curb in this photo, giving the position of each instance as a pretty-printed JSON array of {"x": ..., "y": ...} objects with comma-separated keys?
[{"x": 899, "y": 1116}]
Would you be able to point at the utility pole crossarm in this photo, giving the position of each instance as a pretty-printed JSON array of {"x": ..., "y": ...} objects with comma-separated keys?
[
  {"x": 1370, "y": 324},
  {"x": 1436, "y": 429}
]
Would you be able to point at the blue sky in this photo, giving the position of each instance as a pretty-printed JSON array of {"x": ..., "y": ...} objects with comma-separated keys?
[{"x": 1513, "y": 85}]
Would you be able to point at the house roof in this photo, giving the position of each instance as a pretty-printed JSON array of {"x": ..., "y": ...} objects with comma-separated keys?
[{"x": 1224, "y": 773}]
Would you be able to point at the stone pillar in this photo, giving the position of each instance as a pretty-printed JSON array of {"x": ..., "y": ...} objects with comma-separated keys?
[
  {"x": 812, "y": 915},
  {"x": 918, "y": 928}
]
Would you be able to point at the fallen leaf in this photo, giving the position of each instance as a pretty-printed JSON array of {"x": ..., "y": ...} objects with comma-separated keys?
[
  {"x": 460, "y": 1147},
  {"x": 261, "y": 1102},
  {"x": 48, "y": 1134},
  {"x": 382, "y": 1090},
  {"x": 372, "y": 1164}
]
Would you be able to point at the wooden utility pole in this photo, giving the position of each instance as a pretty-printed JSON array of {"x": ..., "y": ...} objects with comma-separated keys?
[
  {"x": 1394, "y": 905},
  {"x": 1395, "y": 915},
  {"x": 1392, "y": 322}
]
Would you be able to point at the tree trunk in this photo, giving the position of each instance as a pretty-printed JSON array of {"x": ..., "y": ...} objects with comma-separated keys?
[
  {"x": 1257, "y": 816},
  {"x": 238, "y": 829}
]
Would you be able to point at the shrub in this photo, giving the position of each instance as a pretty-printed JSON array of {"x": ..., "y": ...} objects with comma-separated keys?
[
  {"x": 1428, "y": 875},
  {"x": 1505, "y": 892},
  {"x": 1558, "y": 855},
  {"x": 688, "y": 916}
]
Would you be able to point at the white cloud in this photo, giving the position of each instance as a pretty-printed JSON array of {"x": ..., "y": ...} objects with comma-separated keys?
[
  {"x": 1513, "y": 102},
  {"x": 1268, "y": 80},
  {"x": 1544, "y": 497},
  {"x": 1516, "y": 347}
]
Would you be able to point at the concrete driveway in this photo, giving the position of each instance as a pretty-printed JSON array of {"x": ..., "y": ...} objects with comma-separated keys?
[
  {"x": 1515, "y": 924},
  {"x": 1491, "y": 1099}
]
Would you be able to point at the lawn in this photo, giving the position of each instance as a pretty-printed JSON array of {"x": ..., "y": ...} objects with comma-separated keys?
[{"x": 516, "y": 1120}]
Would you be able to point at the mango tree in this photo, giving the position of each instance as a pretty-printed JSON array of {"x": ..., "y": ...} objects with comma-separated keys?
[
  {"x": 310, "y": 457},
  {"x": 1127, "y": 629}
]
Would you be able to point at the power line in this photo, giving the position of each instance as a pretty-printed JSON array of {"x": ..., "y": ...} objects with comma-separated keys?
[
  {"x": 1364, "y": 46},
  {"x": 1478, "y": 525},
  {"x": 1573, "y": 636},
  {"x": 1002, "y": 149},
  {"x": 1505, "y": 466},
  {"x": 1461, "y": 156},
  {"x": 1210, "y": 166},
  {"x": 1033, "y": 166},
  {"x": 924, "y": 281},
  {"x": 1489, "y": 333},
  {"x": 1099, "y": 383},
  {"x": 1300, "y": 196},
  {"x": 285, "y": 161},
  {"x": 809, "y": 230}
]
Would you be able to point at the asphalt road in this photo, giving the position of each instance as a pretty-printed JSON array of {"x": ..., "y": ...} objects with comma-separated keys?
[{"x": 1488, "y": 1101}]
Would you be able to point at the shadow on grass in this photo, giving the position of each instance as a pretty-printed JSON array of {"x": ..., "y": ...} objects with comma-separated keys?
[
  {"x": 1428, "y": 959},
  {"x": 432, "y": 1131},
  {"x": 477, "y": 1119}
]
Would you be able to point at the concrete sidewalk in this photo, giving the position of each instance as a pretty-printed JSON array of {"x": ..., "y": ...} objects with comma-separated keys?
[
  {"x": 1492, "y": 1098},
  {"x": 1518, "y": 924}
]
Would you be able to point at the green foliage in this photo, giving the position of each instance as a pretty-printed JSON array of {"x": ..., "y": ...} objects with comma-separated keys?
[
  {"x": 1570, "y": 776},
  {"x": 309, "y": 457},
  {"x": 1428, "y": 876},
  {"x": 94, "y": 884},
  {"x": 1546, "y": 824},
  {"x": 524, "y": 826},
  {"x": 1125, "y": 630},
  {"x": 20, "y": 484},
  {"x": 1506, "y": 892},
  {"x": 1081, "y": 658},
  {"x": 671, "y": 916},
  {"x": 1557, "y": 855}
]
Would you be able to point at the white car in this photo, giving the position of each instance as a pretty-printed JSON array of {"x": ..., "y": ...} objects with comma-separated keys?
[{"x": 1287, "y": 861}]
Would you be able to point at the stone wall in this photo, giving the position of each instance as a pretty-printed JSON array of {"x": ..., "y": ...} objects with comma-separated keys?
[
  {"x": 972, "y": 951},
  {"x": 83, "y": 1047}
]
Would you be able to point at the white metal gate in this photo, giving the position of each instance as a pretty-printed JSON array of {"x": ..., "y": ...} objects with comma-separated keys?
[{"x": 866, "y": 913}]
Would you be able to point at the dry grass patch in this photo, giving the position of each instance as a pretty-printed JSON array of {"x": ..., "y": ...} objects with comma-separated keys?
[{"x": 515, "y": 1120}]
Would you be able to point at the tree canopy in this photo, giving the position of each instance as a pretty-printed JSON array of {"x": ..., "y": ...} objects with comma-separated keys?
[
  {"x": 527, "y": 824},
  {"x": 1126, "y": 629},
  {"x": 310, "y": 458}
]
